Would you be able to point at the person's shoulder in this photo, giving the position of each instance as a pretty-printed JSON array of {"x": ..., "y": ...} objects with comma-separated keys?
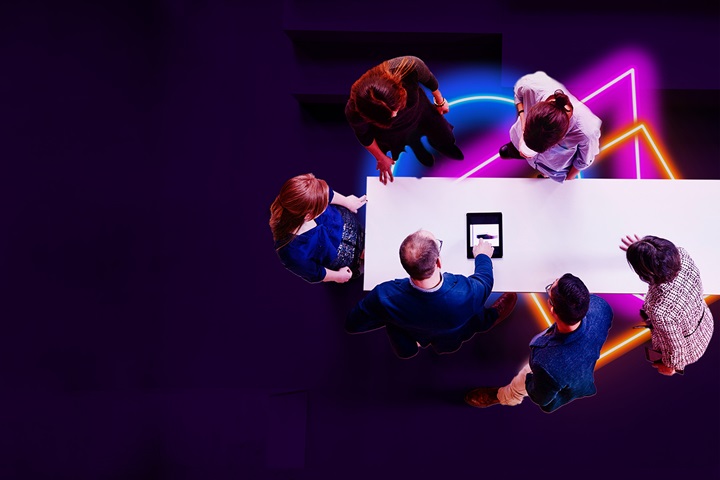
[
  {"x": 684, "y": 256},
  {"x": 536, "y": 77},
  {"x": 586, "y": 121},
  {"x": 601, "y": 310},
  {"x": 398, "y": 285}
]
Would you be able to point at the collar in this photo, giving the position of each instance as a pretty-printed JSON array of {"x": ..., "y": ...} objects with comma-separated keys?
[
  {"x": 551, "y": 336},
  {"x": 429, "y": 290}
]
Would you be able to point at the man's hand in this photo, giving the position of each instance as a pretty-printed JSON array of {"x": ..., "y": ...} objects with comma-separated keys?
[
  {"x": 483, "y": 247},
  {"x": 353, "y": 203},
  {"x": 384, "y": 164},
  {"x": 444, "y": 109},
  {"x": 627, "y": 241},
  {"x": 664, "y": 369}
]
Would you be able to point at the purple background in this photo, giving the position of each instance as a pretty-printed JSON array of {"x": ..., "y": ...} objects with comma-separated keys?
[{"x": 149, "y": 330}]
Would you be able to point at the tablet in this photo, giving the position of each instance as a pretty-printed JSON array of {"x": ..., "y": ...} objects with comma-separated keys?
[{"x": 488, "y": 226}]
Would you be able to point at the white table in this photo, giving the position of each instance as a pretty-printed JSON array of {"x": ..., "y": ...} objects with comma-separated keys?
[{"x": 548, "y": 228}]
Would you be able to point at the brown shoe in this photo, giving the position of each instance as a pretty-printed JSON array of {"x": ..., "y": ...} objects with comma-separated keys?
[
  {"x": 482, "y": 397},
  {"x": 505, "y": 305}
]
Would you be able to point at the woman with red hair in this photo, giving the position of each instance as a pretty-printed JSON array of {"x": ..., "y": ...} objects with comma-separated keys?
[
  {"x": 317, "y": 234},
  {"x": 388, "y": 110}
]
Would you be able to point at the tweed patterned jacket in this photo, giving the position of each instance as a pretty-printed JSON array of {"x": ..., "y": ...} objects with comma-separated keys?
[{"x": 682, "y": 324}]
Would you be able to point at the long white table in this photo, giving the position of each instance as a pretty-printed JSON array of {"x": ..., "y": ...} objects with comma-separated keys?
[{"x": 548, "y": 228}]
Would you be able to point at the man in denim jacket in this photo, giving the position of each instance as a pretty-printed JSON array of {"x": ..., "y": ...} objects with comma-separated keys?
[{"x": 562, "y": 358}]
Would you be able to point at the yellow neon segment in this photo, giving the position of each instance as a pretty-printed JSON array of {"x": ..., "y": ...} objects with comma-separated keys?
[
  {"x": 657, "y": 152},
  {"x": 624, "y": 342},
  {"x": 541, "y": 309},
  {"x": 622, "y": 137}
]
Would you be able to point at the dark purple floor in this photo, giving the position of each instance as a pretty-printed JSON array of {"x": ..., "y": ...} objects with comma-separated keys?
[{"x": 149, "y": 330}]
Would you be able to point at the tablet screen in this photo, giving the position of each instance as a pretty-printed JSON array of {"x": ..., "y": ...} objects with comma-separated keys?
[{"x": 488, "y": 226}]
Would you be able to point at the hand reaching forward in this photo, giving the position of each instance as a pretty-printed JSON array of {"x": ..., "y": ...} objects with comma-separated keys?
[
  {"x": 627, "y": 241},
  {"x": 353, "y": 203},
  {"x": 483, "y": 247},
  {"x": 384, "y": 164}
]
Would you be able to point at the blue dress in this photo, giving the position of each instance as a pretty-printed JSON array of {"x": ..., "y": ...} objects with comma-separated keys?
[{"x": 337, "y": 241}]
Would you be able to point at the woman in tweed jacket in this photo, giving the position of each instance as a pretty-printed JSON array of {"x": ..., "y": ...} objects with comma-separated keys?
[{"x": 681, "y": 322}]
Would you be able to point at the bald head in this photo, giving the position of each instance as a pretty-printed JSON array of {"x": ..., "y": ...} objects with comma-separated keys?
[{"x": 419, "y": 253}]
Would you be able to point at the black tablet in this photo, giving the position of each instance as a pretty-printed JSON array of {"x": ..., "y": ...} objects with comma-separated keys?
[{"x": 488, "y": 226}]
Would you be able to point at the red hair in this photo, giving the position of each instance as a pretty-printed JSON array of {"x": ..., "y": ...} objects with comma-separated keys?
[
  {"x": 300, "y": 197},
  {"x": 379, "y": 92}
]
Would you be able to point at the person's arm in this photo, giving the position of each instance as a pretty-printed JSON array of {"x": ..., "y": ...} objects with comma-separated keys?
[
  {"x": 351, "y": 202},
  {"x": 668, "y": 337},
  {"x": 628, "y": 240},
  {"x": 440, "y": 102},
  {"x": 588, "y": 146},
  {"x": 482, "y": 278},
  {"x": 384, "y": 163},
  {"x": 338, "y": 276},
  {"x": 572, "y": 173},
  {"x": 404, "y": 345},
  {"x": 520, "y": 90},
  {"x": 521, "y": 114},
  {"x": 541, "y": 387},
  {"x": 366, "y": 315},
  {"x": 428, "y": 80},
  {"x": 581, "y": 160},
  {"x": 364, "y": 135}
]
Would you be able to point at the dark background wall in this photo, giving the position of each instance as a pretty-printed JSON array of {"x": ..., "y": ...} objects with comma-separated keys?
[{"x": 149, "y": 330}]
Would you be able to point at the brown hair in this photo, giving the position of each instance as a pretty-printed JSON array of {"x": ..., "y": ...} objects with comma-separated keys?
[
  {"x": 655, "y": 260},
  {"x": 379, "y": 92},
  {"x": 547, "y": 122},
  {"x": 299, "y": 197},
  {"x": 418, "y": 255}
]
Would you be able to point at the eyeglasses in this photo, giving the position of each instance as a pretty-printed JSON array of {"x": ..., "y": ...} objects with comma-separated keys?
[
  {"x": 440, "y": 246},
  {"x": 547, "y": 290}
]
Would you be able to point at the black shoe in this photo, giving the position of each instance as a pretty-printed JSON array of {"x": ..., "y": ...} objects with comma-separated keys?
[
  {"x": 508, "y": 151},
  {"x": 423, "y": 156},
  {"x": 451, "y": 151}
]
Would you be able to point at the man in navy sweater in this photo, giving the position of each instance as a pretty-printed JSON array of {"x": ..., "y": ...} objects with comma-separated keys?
[
  {"x": 562, "y": 358},
  {"x": 432, "y": 307}
]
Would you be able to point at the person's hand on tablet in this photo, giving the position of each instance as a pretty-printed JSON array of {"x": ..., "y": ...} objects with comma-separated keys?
[{"x": 483, "y": 247}]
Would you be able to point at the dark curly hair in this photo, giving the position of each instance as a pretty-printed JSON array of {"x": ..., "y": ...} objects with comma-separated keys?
[{"x": 655, "y": 260}]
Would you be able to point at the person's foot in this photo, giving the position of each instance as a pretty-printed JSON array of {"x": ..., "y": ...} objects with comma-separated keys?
[
  {"x": 508, "y": 151},
  {"x": 453, "y": 151},
  {"x": 423, "y": 156},
  {"x": 482, "y": 397},
  {"x": 505, "y": 305}
]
